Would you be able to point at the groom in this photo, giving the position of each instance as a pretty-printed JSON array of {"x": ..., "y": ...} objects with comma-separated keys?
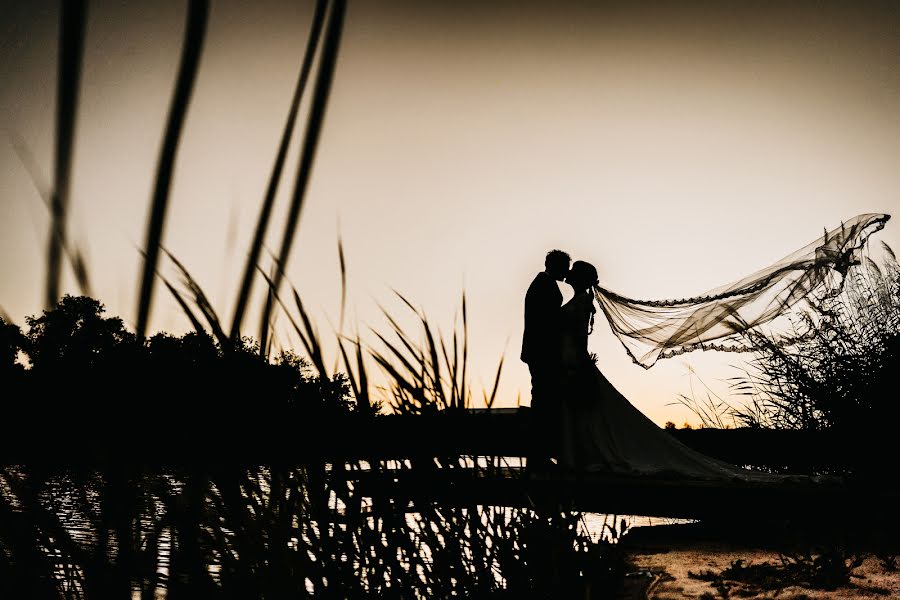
[{"x": 540, "y": 350}]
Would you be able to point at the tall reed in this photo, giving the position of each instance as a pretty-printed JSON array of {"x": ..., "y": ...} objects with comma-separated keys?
[
  {"x": 194, "y": 34},
  {"x": 71, "y": 46},
  {"x": 268, "y": 202},
  {"x": 70, "y": 250},
  {"x": 431, "y": 376},
  {"x": 321, "y": 91}
]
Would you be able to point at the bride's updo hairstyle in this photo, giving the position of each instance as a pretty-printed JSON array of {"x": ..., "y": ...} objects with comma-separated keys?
[{"x": 582, "y": 276}]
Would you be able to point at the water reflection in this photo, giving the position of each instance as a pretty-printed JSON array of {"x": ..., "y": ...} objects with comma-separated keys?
[{"x": 309, "y": 528}]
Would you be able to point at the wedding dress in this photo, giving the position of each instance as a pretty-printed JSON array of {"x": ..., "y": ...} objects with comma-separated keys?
[{"x": 603, "y": 432}]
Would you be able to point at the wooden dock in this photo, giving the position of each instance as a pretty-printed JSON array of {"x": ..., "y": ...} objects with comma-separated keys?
[
  {"x": 438, "y": 453},
  {"x": 501, "y": 437}
]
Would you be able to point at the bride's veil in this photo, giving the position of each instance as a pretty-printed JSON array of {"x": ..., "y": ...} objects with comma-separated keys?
[{"x": 720, "y": 318}]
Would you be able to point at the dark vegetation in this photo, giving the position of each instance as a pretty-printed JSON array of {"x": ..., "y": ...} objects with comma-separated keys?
[
  {"x": 95, "y": 391},
  {"x": 828, "y": 570},
  {"x": 826, "y": 567}
]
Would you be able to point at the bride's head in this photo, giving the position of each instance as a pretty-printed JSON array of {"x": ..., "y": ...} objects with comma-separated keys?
[{"x": 582, "y": 276}]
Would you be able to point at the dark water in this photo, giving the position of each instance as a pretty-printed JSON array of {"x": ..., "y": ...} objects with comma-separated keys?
[{"x": 81, "y": 504}]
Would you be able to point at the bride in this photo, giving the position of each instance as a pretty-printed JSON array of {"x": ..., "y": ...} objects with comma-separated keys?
[
  {"x": 601, "y": 430},
  {"x": 604, "y": 432}
]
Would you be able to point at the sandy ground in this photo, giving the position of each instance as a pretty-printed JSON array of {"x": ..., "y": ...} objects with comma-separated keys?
[{"x": 659, "y": 571}]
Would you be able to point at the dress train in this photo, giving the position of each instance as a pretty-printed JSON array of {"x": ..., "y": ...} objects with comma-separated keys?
[{"x": 603, "y": 432}]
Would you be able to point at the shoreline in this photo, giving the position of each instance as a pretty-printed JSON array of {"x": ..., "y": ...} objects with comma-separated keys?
[{"x": 675, "y": 562}]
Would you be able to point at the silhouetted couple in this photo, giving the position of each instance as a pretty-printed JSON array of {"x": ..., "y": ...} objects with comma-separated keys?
[
  {"x": 577, "y": 416},
  {"x": 553, "y": 337}
]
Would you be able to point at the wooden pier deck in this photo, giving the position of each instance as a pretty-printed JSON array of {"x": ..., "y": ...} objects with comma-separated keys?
[
  {"x": 500, "y": 437},
  {"x": 437, "y": 453}
]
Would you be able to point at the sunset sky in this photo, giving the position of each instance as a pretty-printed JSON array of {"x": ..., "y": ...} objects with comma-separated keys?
[{"x": 676, "y": 146}]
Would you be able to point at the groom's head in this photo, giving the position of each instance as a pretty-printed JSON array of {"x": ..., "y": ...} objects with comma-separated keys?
[{"x": 557, "y": 264}]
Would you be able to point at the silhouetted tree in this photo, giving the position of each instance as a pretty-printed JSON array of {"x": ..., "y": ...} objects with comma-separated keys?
[
  {"x": 73, "y": 335},
  {"x": 11, "y": 342},
  {"x": 330, "y": 395},
  {"x": 92, "y": 384}
]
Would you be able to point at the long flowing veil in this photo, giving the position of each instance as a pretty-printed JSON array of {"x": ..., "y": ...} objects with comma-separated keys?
[{"x": 719, "y": 319}]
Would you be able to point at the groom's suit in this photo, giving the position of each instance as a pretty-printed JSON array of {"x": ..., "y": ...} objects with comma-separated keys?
[
  {"x": 541, "y": 351},
  {"x": 540, "y": 340}
]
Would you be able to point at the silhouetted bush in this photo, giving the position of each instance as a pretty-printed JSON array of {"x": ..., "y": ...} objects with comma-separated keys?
[
  {"x": 94, "y": 388},
  {"x": 11, "y": 343},
  {"x": 841, "y": 371}
]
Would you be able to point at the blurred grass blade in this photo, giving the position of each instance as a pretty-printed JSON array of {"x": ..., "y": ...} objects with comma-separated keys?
[
  {"x": 363, "y": 376},
  {"x": 80, "y": 269},
  {"x": 306, "y": 334},
  {"x": 490, "y": 402},
  {"x": 71, "y": 47},
  {"x": 360, "y": 382},
  {"x": 201, "y": 301},
  {"x": 265, "y": 211},
  {"x": 343, "y": 266},
  {"x": 195, "y": 322},
  {"x": 401, "y": 335},
  {"x": 451, "y": 370},
  {"x": 407, "y": 303},
  {"x": 270, "y": 345},
  {"x": 312, "y": 338},
  {"x": 194, "y": 33},
  {"x": 26, "y": 157},
  {"x": 465, "y": 350},
  {"x": 399, "y": 355},
  {"x": 435, "y": 374},
  {"x": 75, "y": 255},
  {"x": 416, "y": 390},
  {"x": 321, "y": 91},
  {"x": 350, "y": 376}
]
